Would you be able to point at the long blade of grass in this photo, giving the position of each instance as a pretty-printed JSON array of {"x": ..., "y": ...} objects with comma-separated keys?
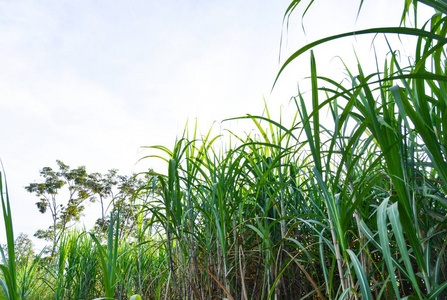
[
  {"x": 9, "y": 272},
  {"x": 393, "y": 30},
  {"x": 363, "y": 280},
  {"x": 384, "y": 241},
  {"x": 393, "y": 215}
]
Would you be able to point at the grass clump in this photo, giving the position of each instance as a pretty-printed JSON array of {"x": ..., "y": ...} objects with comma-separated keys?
[{"x": 355, "y": 209}]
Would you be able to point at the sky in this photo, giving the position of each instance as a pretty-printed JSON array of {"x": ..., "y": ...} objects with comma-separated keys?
[{"x": 90, "y": 82}]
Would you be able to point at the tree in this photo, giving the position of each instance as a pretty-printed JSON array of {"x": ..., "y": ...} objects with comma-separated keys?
[
  {"x": 51, "y": 189},
  {"x": 24, "y": 249},
  {"x": 125, "y": 191},
  {"x": 102, "y": 186},
  {"x": 63, "y": 193}
]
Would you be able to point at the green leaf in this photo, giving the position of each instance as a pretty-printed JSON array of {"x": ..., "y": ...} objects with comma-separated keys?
[{"x": 363, "y": 280}]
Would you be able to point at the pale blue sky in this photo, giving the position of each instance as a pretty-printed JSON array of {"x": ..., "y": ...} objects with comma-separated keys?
[{"x": 89, "y": 82}]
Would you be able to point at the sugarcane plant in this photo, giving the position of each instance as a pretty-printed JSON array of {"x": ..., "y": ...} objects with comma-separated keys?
[
  {"x": 8, "y": 267},
  {"x": 345, "y": 200}
]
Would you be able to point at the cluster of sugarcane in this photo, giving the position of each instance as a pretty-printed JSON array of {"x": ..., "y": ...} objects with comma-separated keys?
[{"x": 352, "y": 210}]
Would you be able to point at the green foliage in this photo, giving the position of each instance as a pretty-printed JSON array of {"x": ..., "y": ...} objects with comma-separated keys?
[
  {"x": 62, "y": 212},
  {"x": 8, "y": 267},
  {"x": 125, "y": 194},
  {"x": 65, "y": 192},
  {"x": 353, "y": 208}
]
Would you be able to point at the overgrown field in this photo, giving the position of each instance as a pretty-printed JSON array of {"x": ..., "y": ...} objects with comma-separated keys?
[{"x": 357, "y": 210}]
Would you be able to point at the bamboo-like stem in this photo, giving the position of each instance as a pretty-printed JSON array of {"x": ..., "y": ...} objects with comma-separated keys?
[{"x": 244, "y": 295}]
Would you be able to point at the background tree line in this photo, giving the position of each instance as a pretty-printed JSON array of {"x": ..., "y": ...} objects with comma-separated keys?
[{"x": 64, "y": 193}]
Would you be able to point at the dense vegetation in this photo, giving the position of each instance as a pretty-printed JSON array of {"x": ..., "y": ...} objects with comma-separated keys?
[{"x": 355, "y": 210}]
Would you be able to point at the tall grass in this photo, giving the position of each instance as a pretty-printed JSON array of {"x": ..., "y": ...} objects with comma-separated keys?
[
  {"x": 354, "y": 208},
  {"x": 8, "y": 268},
  {"x": 357, "y": 210}
]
